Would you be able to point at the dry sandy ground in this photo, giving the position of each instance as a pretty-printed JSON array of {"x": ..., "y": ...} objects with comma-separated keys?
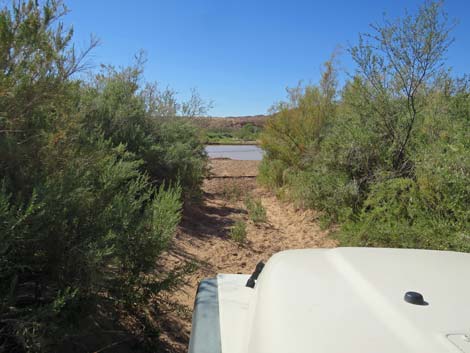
[{"x": 203, "y": 238}]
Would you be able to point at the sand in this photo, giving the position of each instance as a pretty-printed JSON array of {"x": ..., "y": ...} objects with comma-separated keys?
[{"x": 203, "y": 239}]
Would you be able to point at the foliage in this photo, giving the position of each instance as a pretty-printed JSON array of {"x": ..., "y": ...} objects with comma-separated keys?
[
  {"x": 271, "y": 172},
  {"x": 256, "y": 210},
  {"x": 397, "y": 61},
  {"x": 324, "y": 190},
  {"x": 248, "y": 133},
  {"x": 92, "y": 179},
  {"x": 296, "y": 124},
  {"x": 238, "y": 232},
  {"x": 389, "y": 160},
  {"x": 430, "y": 212},
  {"x": 96, "y": 225},
  {"x": 115, "y": 105},
  {"x": 231, "y": 191}
]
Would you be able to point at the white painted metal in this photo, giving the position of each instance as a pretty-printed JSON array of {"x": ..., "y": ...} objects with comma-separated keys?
[
  {"x": 234, "y": 300},
  {"x": 349, "y": 300}
]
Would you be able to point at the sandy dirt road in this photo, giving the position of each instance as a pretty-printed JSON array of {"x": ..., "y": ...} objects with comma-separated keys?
[{"x": 203, "y": 238}]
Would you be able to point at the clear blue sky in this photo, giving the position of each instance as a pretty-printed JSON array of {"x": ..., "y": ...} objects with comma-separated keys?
[{"x": 242, "y": 54}]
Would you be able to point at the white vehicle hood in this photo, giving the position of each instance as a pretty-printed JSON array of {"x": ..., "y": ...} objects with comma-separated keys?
[{"x": 349, "y": 300}]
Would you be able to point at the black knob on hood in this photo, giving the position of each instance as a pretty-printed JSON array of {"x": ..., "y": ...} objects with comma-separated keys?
[{"x": 415, "y": 298}]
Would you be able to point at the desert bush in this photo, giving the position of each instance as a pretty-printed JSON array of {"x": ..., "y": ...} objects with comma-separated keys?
[
  {"x": 415, "y": 213},
  {"x": 256, "y": 210},
  {"x": 128, "y": 114},
  {"x": 398, "y": 61},
  {"x": 332, "y": 193},
  {"x": 94, "y": 226},
  {"x": 298, "y": 123},
  {"x": 178, "y": 156},
  {"x": 388, "y": 160},
  {"x": 248, "y": 132},
  {"x": 219, "y": 136},
  {"x": 238, "y": 232},
  {"x": 91, "y": 185},
  {"x": 232, "y": 191},
  {"x": 272, "y": 172}
]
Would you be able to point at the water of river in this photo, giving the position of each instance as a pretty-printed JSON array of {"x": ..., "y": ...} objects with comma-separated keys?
[{"x": 238, "y": 152}]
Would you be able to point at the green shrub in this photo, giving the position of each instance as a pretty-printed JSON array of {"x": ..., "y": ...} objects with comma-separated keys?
[
  {"x": 171, "y": 147},
  {"x": 248, "y": 132},
  {"x": 297, "y": 124},
  {"x": 95, "y": 226},
  {"x": 395, "y": 215},
  {"x": 238, "y": 232},
  {"x": 271, "y": 172},
  {"x": 232, "y": 191},
  {"x": 332, "y": 193},
  {"x": 219, "y": 136},
  {"x": 179, "y": 156},
  {"x": 92, "y": 178},
  {"x": 430, "y": 211},
  {"x": 256, "y": 210},
  {"x": 389, "y": 157}
]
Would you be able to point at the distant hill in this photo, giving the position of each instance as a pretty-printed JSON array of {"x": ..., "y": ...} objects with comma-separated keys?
[{"x": 231, "y": 122}]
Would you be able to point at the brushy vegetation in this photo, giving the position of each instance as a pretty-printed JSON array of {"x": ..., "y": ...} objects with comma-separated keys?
[
  {"x": 256, "y": 210},
  {"x": 248, "y": 133},
  {"x": 232, "y": 191},
  {"x": 238, "y": 232},
  {"x": 388, "y": 155},
  {"x": 93, "y": 174}
]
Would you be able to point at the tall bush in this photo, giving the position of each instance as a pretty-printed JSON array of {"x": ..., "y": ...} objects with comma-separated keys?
[
  {"x": 389, "y": 161},
  {"x": 91, "y": 184},
  {"x": 118, "y": 106}
]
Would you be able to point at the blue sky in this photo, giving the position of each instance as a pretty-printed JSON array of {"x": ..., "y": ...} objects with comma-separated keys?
[{"x": 240, "y": 54}]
